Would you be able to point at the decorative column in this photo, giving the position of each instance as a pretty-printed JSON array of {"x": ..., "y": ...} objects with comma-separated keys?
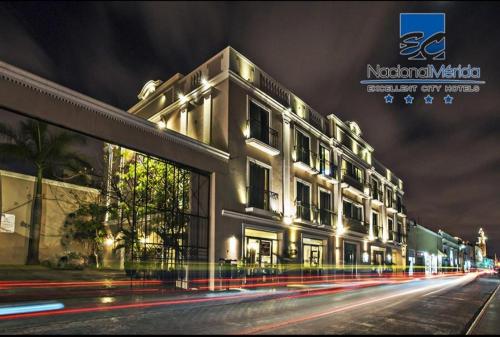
[
  {"x": 368, "y": 208},
  {"x": 337, "y": 197},
  {"x": 383, "y": 214},
  {"x": 184, "y": 119},
  {"x": 207, "y": 118},
  {"x": 286, "y": 150}
]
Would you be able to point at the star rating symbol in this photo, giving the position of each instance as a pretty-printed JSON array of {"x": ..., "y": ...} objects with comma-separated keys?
[
  {"x": 409, "y": 99},
  {"x": 428, "y": 99},
  {"x": 448, "y": 99},
  {"x": 388, "y": 98}
]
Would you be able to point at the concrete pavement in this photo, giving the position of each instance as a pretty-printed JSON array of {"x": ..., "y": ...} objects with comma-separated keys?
[{"x": 488, "y": 323}]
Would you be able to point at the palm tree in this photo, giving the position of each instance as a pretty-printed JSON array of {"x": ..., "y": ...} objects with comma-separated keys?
[{"x": 47, "y": 153}]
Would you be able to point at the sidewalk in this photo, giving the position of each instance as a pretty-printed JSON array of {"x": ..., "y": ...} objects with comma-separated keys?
[{"x": 489, "y": 324}]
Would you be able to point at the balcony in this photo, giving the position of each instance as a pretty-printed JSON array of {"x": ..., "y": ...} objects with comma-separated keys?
[
  {"x": 397, "y": 237},
  {"x": 325, "y": 217},
  {"x": 355, "y": 182},
  {"x": 377, "y": 196},
  {"x": 262, "y": 137},
  {"x": 305, "y": 159},
  {"x": 378, "y": 232},
  {"x": 401, "y": 208},
  {"x": 303, "y": 211},
  {"x": 327, "y": 170},
  {"x": 355, "y": 225},
  {"x": 261, "y": 202},
  {"x": 391, "y": 206}
]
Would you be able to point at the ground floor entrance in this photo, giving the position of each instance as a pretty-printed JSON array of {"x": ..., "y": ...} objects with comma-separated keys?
[{"x": 312, "y": 257}]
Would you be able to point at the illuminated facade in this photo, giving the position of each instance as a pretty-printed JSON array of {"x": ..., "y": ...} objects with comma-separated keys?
[{"x": 300, "y": 190}]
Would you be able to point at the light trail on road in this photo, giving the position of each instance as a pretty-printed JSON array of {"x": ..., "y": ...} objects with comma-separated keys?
[
  {"x": 451, "y": 283},
  {"x": 283, "y": 295}
]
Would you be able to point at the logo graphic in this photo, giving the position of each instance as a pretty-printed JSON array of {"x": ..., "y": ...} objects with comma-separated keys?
[{"x": 422, "y": 36}]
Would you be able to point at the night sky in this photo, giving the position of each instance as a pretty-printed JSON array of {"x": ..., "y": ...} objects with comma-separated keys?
[{"x": 447, "y": 155}]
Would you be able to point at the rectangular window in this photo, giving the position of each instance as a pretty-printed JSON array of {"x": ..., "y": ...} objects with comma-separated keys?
[
  {"x": 389, "y": 198},
  {"x": 376, "y": 192},
  {"x": 390, "y": 229},
  {"x": 303, "y": 201},
  {"x": 302, "y": 150},
  {"x": 377, "y": 227},
  {"x": 259, "y": 122},
  {"x": 399, "y": 202},
  {"x": 353, "y": 211},
  {"x": 325, "y": 213},
  {"x": 352, "y": 171},
  {"x": 258, "y": 187},
  {"x": 325, "y": 164},
  {"x": 400, "y": 232}
]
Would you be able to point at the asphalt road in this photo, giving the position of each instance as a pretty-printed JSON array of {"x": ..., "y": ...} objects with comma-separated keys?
[{"x": 428, "y": 306}]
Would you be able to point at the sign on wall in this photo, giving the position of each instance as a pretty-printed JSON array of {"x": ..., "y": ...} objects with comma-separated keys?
[{"x": 7, "y": 223}]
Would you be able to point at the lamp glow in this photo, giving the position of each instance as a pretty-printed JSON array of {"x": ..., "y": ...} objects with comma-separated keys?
[{"x": 109, "y": 241}]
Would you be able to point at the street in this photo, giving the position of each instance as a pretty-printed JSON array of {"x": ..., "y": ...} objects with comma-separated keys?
[{"x": 439, "y": 305}]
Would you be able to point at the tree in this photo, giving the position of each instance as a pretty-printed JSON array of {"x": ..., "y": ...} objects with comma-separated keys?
[
  {"x": 87, "y": 226},
  {"x": 153, "y": 201},
  {"x": 48, "y": 153}
]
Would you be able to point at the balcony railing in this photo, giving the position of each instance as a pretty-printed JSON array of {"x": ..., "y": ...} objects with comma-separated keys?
[
  {"x": 352, "y": 180},
  {"x": 261, "y": 132},
  {"x": 378, "y": 231},
  {"x": 397, "y": 237},
  {"x": 303, "y": 211},
  {"x": 377, "y": 194},
  {"x": 356, "y": 225},
  {"x": 327, "y": 168},
  {"x": 259, "y": 198},
  {"x": 401, "y": 208},
  {"x": 325, "y": 217},
  {"x": 305, "y": 156}
]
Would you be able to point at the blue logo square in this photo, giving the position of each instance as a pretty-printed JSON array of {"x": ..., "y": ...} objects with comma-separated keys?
[{"x": 422, "y": 36}]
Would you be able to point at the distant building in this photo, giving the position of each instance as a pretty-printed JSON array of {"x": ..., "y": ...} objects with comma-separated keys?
[
  {"x": 425, "y": 249},
  {"x": 451, "y": 250},
  {"x": 481, "y": 245}
]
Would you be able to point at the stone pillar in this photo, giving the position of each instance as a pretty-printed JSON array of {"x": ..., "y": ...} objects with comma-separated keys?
[
  {"x": 211, "y": 234},
  {"x": 337, "y": 197},
  {"x": 207, "y": 119}
]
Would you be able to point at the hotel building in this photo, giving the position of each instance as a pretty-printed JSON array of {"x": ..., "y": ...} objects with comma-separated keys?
[{"x": 298, "y": 190}]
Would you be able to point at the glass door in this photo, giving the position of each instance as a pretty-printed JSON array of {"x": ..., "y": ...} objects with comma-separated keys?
[
  {"x": 312, "y": 257},
  {"x": 303, "y": 154},
  {"x": 350, "y": 259},
  {"x": 325, "y": 208},
  {"x": 303, "y": 201},
  {"x": 259, "y": 123},
  {"x": 259, "y": 187}
]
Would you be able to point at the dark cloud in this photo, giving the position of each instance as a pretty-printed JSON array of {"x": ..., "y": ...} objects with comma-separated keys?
[{"x": 448, "y": 156}]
